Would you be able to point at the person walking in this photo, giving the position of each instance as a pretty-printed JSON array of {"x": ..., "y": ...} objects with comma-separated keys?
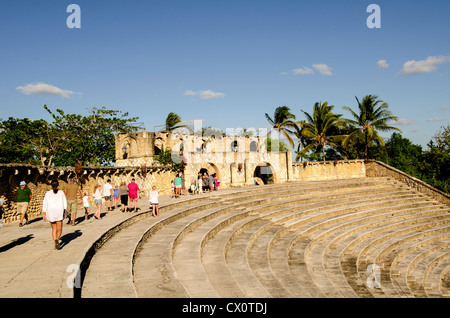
[
  {"x": 172, "y": 186},
  {"x": 211, "y": 183},
  {"x": 177, "y": 182},
  {"x": 71, "y": 192},
  {"x": 205, "y": 183},
  {"x": 154, "y": 201},
  {"x": 108, "y": 194},
  {"x": 200, "y": 184},
  {"x": 116, "y": 196},
  {"x": 216, "y": 183},
  {"x": 23, "y": 200},
  {"x": 133, "y": 193},
  {"x": 53, "y": 208},
  {"x": 86, "y": 205},
  {"x": 123, "y": 194},
  {"x": 98, "y": 201}
]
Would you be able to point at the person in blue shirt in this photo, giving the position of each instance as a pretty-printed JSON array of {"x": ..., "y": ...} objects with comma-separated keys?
[{"x": 177, "y": 181}]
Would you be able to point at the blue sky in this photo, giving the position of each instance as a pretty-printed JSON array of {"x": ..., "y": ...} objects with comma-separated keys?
[{"x": 226, "y": 62}]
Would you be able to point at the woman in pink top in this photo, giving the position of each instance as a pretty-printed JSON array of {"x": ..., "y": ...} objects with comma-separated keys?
[{"x": 133, "y": 193}]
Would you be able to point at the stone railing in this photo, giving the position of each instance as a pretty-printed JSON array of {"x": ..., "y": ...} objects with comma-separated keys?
[
  {"x": 380, "y": 169},
  {"x": 38, "y": 179}
]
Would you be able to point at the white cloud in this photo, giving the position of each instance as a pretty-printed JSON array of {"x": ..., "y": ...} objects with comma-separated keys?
[
  {"x": 443, "y": 108},
  {"x": 430, "y": 64},
  {"x": 210, "y": 94},
  {"x": 303, "y": 71},
  {"x": 404, "y": 122},
  {"x": 43, "y": 88},
  {"x": 382, "y": 64},
  {"x": 207, "y": 94},
  {"x": 323, "y": 69},
  {"x": 435, "y": 119},
  {"x": 189, "y": 93}
]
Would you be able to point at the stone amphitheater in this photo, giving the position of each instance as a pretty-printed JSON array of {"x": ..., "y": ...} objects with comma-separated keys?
[{"x": 372, "y": 237}]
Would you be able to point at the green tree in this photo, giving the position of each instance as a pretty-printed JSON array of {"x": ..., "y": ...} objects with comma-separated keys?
[
  {"x": 442, "y": 139},
  {"x": 284, "y": 122},
  {"x": 320, "y": 129},
  {"x": 434, "y": 164},
  {"x": 90, "y": 139},
  {"x": 399, "y": 152},
  {"x": 373, "y": 115},
  {"x": 434, "y": 168},
  {"x": 29, "y": 141}
]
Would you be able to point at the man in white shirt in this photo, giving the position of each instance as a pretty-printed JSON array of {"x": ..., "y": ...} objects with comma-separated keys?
[{"x": 108, "y": 194}]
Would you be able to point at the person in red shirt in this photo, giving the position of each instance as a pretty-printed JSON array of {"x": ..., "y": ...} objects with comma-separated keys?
[{"x": 133, "y": 193}]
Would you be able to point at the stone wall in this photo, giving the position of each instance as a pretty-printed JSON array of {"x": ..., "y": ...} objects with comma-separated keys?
[
  {"x": 380, "y": 169},
  {"x": 38, "y": 179},
  {"x": 328, "y": 170}
]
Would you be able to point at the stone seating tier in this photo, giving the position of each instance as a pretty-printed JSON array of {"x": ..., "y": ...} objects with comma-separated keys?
[{"x": 302, "y": 239}]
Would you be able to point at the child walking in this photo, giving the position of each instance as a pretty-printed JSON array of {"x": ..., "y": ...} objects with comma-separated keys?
[
  {"x": 154, "y": 201},
  {"x": 87, "y": 207},
  {"x": 98, "y": 201}
]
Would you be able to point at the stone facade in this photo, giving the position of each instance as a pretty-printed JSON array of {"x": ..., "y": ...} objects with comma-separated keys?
[{"x": 237, "y": 161}]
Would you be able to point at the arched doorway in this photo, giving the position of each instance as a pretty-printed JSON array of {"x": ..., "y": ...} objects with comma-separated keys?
[
  {"x": 265, "y": 173},
  {"x": 211, "y": 170}
]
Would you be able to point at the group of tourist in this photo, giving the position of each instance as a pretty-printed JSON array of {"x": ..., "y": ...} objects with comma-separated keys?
[
  {"x": 58, "y": 204},
  {"x": 202, "y": 184},
  {"x": 205, "y": 183},
  {"x": 122, "y": 193}
]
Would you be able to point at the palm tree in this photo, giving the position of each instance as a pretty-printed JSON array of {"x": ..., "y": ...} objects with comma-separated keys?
[
  {"x": 301, "y": 139},
  {"x": 320, "y": 129},
  {"x": 283, "y": 121},
  {"x": 172, "y": 123},
  {"x": 373, "y": 115}
]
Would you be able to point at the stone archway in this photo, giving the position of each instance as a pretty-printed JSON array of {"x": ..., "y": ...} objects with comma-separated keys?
[
  {"x": 264, "y": 172},
  {"x": 211, "y": 169}
]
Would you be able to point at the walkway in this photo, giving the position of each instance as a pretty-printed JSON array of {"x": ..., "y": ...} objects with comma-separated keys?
[{"x": 32, "y": 268}]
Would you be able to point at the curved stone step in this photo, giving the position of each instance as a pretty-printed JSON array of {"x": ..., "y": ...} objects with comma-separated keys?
[
  {"x": 258, "y": 259},
  {"x": 214, "y": 262},
  {"x": 308, "y": 239},
  {"x": 381, "y": 237},
  {"x": 154, "y": 272},
  {"x": 389, "y": 251},
  {"x": 278, "y": 259},
  {"x": 406, "y": 258},
  {"x": 237, "y": 261}
]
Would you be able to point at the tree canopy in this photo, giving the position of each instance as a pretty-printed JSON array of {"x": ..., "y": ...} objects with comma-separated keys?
[
  {"x": 70, "y": 138},
  {"x": 373, "y": 115}
]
